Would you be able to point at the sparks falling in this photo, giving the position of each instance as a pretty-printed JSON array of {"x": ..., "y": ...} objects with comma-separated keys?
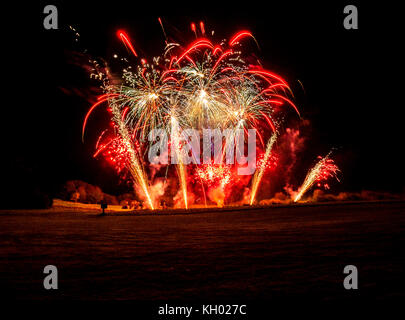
[{"x": 181, "y": 169}]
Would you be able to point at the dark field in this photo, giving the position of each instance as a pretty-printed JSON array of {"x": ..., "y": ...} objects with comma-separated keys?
[{"x": 288, "y": 252}]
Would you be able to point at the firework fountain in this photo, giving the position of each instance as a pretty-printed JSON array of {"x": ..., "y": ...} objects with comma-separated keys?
[
  {"x": 259, "y": 173},
  {"x": 322, "y": 171}
]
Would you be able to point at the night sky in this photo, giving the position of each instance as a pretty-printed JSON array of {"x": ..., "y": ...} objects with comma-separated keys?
[{"x": 352, "y": 79}]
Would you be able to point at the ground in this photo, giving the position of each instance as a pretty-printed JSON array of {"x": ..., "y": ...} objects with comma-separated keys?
[{"x": 242, "y": 254}]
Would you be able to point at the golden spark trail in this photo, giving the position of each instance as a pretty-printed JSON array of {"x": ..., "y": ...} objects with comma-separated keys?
[
  {"x": 134, "y": 165},
  {"x": 180, "y": 165},
  {"x": 309, "y": 180},
  {"x": 324, "y": 169},
  {"x": 259, "y": 173}
]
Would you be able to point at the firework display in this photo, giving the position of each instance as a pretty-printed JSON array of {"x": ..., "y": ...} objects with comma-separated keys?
[{"x": 205, "y": 85}]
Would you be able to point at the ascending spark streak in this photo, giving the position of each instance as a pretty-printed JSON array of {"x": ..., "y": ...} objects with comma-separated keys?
[
  {"x": 259, "y": 173},
  {"x": 134, "y": 164},
  {"x": 324, "y": 169},
  {"x": 163, "y": 29}
]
